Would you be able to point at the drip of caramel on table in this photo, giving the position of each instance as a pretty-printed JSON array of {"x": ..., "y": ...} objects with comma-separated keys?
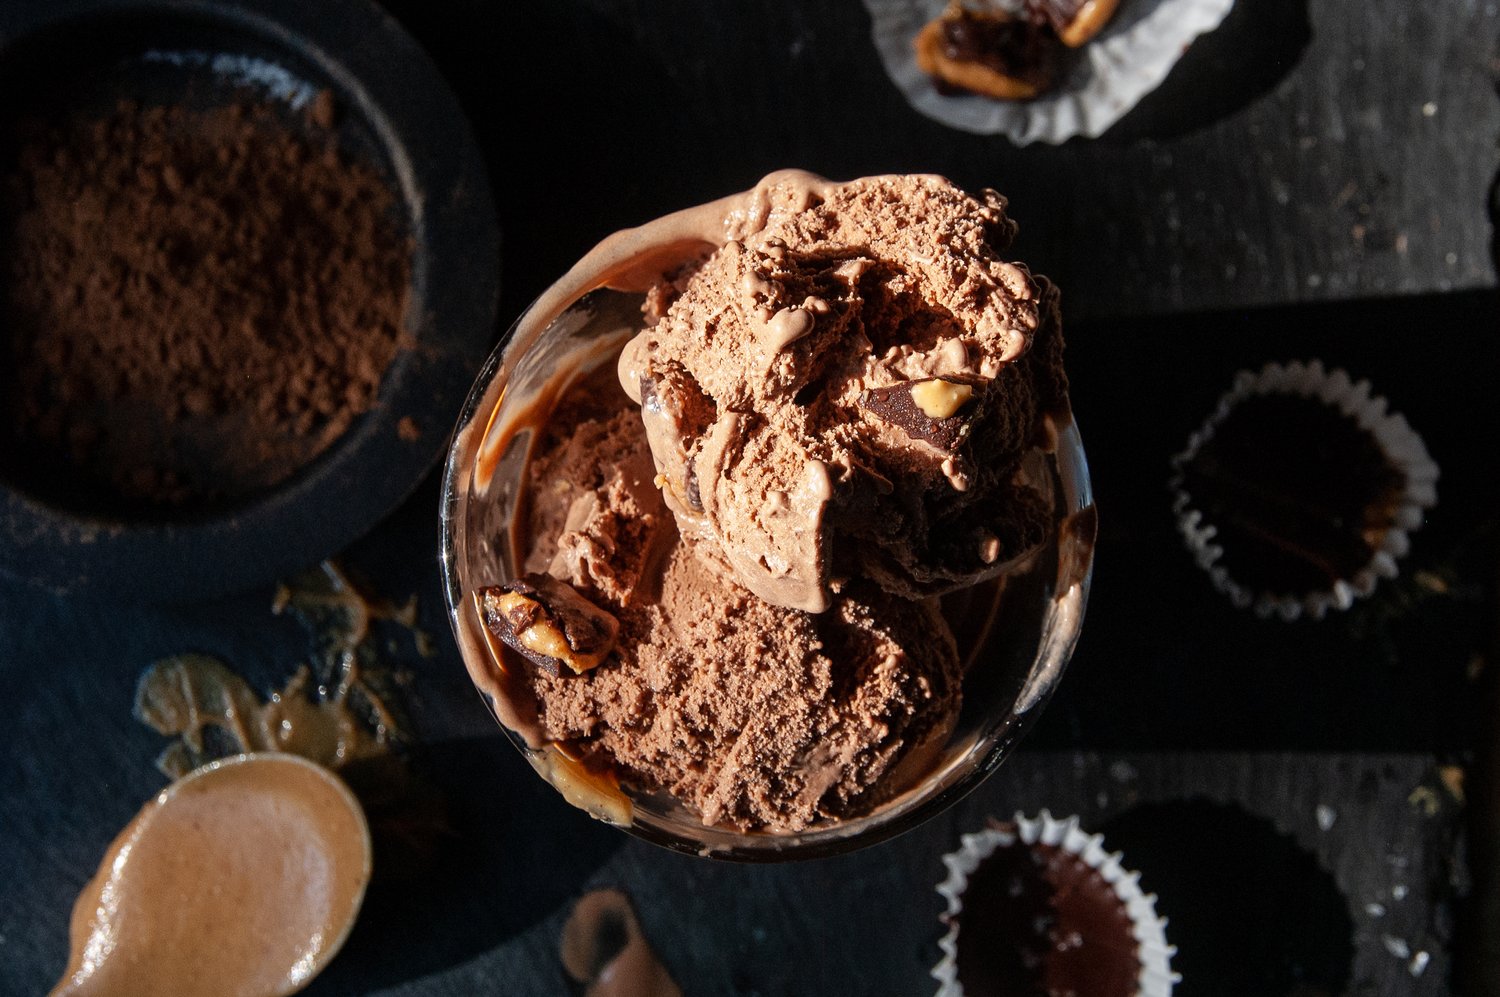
[
  {"x": 334, "y": 714},
  {"x": 191, "y": 694}
]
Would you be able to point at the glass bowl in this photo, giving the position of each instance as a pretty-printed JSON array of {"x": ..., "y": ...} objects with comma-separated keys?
[{"x": 1016, "y": 633}]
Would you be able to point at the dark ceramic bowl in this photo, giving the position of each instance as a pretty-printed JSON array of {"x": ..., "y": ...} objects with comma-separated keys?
[{"x": 398, "y": 117}]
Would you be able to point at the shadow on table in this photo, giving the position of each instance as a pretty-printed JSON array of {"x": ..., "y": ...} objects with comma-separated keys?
[
  {"x": 584, "y": 129},
  {"x": 1494, "y": 206},
  {"x": 481, "y": 851},
  {"x": 1253, "y": 50},
  {"x": 1250, "y": 911}
]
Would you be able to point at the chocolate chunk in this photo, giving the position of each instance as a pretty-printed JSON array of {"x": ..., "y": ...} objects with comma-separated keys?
[
  {"x": 1018, "y": 47},
  {"x": 548, "y": 623},
  {"x": 897, "y": 406},
  {"x": 1037, "y": 919}
]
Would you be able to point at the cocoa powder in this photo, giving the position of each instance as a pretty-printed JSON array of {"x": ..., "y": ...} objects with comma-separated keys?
[{"x": 195, "y": 303}]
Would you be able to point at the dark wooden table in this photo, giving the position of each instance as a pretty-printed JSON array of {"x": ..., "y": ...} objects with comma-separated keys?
[{"x": 1313, "y": 181}]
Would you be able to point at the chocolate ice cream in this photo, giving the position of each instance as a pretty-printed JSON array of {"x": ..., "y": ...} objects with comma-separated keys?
[
  {"x": 727, "y": 593},
  {"x": 757, "y": 715},
  {"x": 848, "y": 391}
]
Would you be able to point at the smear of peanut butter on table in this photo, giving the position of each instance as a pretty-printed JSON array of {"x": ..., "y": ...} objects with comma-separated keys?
[
  {"x": 242, "y": 878},
  {"x": 603, "y": 949}
]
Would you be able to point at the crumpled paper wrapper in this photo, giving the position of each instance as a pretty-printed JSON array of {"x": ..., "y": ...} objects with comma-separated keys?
[{"x": 1126, "y": 61}]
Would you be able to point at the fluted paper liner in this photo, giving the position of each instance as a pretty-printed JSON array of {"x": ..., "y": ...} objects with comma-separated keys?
[
  {"x": 1127, "y": 60},
  {"x": 1400, "y": 445},
  {"x": 1156, "y": 978}
]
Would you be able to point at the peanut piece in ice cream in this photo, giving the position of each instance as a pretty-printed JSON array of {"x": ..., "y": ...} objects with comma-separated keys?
[{"x": 939, "y": 399}]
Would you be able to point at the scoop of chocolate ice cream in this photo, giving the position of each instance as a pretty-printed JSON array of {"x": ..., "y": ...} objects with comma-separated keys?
[
  {"x": 848, "y": 386},
  {"x": 836, "y": 411},
  {"x": 756, "y": 715}
]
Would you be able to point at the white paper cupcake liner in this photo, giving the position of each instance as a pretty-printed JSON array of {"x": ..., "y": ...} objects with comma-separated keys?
[
  {"x": 1402, "y": 447},
  {"x": 1126, "y": 61},
  {"x": 1155, "y": 955}
]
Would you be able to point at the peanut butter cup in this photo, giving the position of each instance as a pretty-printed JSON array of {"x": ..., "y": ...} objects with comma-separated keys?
[
  {"x": 1034, "y": 70},
  {"x": 992, "y": 53},
  {"x": 1037, "y": 907},
  {"x": 1298, "y": 493}
]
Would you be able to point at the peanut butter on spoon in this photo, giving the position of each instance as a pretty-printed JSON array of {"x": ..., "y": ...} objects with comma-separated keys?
[{"x": 242, "y": 878}]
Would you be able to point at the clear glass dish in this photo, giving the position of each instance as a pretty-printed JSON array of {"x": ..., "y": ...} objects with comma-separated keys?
[{"x": 1017, "y": 633}]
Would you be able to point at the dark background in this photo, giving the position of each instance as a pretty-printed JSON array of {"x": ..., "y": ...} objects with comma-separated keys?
[{"x": 1314, "y": 180}]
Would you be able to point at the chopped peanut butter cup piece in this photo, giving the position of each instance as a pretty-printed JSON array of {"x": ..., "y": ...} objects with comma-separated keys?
[
  {"x": 936, "y": 411},
  {"x": 548, "y": 623},
  {"x": 992, "y": 53}
]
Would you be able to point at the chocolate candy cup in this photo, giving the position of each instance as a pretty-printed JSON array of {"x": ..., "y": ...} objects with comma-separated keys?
[
  {"x": 1075, "y": 917},
  {"x": 1300, "y": 491}
]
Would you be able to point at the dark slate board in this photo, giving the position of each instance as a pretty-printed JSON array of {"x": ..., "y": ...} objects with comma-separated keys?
[
  {"x": 1308, "y": 150},
  {"x": 1240, "y": 183},
  {"x": 1333, "y": 870},
  {"x": 1263, "y": 890},
  {"x": 1173, "y": 696}
]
